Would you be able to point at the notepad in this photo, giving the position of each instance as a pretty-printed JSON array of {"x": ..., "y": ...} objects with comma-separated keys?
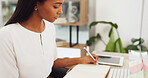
[{"x": 88, "y": 71}]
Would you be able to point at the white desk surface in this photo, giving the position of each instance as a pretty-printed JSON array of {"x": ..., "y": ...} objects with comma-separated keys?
[{"x": 126, "y": 60}]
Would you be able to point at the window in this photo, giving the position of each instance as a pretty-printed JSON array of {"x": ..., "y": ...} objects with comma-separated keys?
[{"x": 7, "y": 8}]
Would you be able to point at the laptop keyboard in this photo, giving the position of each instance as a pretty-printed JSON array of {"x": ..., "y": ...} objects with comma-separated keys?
[{"x": 118, "y": 73}]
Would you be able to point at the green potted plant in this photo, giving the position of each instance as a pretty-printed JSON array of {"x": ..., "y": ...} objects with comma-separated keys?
[
  {"x": 135, "y": 43},
  {"x": 113, "y": 45}
]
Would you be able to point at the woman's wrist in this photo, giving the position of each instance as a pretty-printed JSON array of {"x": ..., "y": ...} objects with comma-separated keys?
[{"x": 81, "y": 60}]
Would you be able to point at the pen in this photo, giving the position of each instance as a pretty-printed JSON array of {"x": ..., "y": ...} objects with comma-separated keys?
[{"x": 89, "y": 54}]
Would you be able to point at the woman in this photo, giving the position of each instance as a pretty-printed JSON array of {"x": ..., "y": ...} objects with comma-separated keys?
[{"x": 27, "y": 42}]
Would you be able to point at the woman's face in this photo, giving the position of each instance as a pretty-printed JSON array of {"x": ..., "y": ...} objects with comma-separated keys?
[{"x": 50, "y": 9}]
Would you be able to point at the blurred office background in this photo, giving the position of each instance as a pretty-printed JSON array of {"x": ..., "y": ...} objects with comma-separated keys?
[
  {"x": 7, "y": 7},
  {"x": 126, "y": 13}
]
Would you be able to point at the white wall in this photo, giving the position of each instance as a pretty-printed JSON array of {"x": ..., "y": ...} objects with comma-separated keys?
[
  {"x": 92, "y": 17},
  {"x": 145, "y": 24},
  {"x": 126, "y": 13},
  {"x": 0, "y": 14}
]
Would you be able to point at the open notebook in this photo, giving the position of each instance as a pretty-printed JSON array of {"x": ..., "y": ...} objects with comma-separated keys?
[{"x": 88, "y": 71}]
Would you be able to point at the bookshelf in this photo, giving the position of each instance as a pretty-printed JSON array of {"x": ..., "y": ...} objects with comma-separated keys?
[{"x": 81, "y": 14}]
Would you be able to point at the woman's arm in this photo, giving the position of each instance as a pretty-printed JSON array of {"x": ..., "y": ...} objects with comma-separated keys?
[
  {"x": 74, "y": 61},
  {"x": 8, "y": 67}
]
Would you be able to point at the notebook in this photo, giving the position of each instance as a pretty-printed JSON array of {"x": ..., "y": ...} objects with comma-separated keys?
[{"x": 88, "y": 71}]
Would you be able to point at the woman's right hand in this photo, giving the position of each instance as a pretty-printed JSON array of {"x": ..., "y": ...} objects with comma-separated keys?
[{"x": 89, "y": 60}]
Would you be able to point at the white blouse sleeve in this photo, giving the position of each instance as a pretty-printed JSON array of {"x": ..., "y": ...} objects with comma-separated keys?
[{"x": 8, "y": 66}]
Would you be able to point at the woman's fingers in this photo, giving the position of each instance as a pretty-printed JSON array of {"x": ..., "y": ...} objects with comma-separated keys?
[
  {"x": 96, "y": 57},
  {"x": 89, "y": 60}
]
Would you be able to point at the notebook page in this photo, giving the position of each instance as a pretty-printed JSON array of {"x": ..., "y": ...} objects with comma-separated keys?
[{"x": 88, "y": 71}]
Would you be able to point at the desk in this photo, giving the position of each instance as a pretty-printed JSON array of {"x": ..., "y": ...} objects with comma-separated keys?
[
  {"x": 76, "y": 73},
  {"x": 126, "y": 60}
]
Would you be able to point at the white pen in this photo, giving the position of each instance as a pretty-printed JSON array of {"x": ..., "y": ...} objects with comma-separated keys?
[{"x": 89, "y": 54}]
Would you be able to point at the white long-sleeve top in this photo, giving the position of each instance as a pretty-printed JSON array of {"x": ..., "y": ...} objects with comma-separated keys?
[{"x": 27, "y": 54}]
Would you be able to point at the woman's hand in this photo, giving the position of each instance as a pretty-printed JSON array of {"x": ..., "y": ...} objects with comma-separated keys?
[
  {"x": 89, "y": 60},
  {"x": 64, "y": 62}
]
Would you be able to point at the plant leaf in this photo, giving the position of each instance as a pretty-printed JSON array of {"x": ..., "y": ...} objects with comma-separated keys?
[
  {"x": 92, "y": 39},
  {"x": 98, "y": 36},
  {"x": 140, "y": 40},
  {"x": 112, "y": 24},
  {"x": 131, "y": 47},
  {"x": 110, "y": 32},
  {"x": 115, "y": 25},
  {"x": 103, "y": 22},
  {"x": 110, "y": 44},
  {"x": 144, "y": 48},
  {"x": 88, "y": 42},
  {"x": 93, "y": 24},
  {"x": 133, "y": 40},
  {"x": 118, "y": 46}
]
